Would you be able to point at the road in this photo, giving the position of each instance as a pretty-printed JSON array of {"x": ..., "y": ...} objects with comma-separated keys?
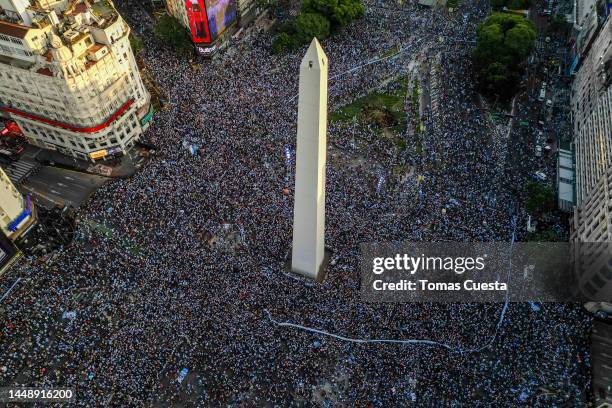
[{"x": 56, "y": 186}]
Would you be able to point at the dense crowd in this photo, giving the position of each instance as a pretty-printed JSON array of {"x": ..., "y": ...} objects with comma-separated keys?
[{"x": 151, "y": 295}]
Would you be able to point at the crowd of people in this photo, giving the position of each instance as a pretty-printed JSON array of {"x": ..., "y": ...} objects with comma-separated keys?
[{"x": 118, "y": 315}]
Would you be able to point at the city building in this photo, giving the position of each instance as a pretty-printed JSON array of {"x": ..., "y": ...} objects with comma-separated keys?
[
  {"x": 68, "y": 77},
  {"x": 247, "y": 11},
  {"x": 591, "y": 230},
  {"x": 591, "y": 103},
  {"x": 601, "y": 344},
  {"x": 17, "y": 214},
  {"x": 587, "y": 18},
  {"x": 565, "y": 180},
  {"x": 591, "y": 235}
]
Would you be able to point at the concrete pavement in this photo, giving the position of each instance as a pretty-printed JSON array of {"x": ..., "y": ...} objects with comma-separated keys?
[{"x": 53, "y": 186}]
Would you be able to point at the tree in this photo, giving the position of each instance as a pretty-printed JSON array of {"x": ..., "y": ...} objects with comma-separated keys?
[
  {"x": 503, "y": 43},
  {"x": 135, "y": 44},
  {"x": 338, "y": 12},
  {"x": 519, "y": 41},
  {"x": 169, "y": 30},
  {"x": 540, "y": 198},
  {"x": 559, "y": 24},
  {"x": 309, "y": 25},
  {"x": 283, "y": 43},
  {"x": 347, "y": 11}
]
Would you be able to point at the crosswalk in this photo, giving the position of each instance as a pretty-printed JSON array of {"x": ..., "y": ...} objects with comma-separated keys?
[{"x": 20, "y": 170}]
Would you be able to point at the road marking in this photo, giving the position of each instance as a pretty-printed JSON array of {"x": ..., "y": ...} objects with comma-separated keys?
[
  {"x": 55, "y": 192},
  {"x": 62, "y": 185},
  {"x": 44, "y": 196},
  {"x": 68, "y": 178}
]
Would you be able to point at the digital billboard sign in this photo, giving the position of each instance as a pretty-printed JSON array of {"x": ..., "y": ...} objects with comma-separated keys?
[
  {"x": 221, "y": 13},
  {"x": 209, "y": 18}
]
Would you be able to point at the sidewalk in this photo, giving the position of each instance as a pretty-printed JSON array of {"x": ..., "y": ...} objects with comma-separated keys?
[{"x": 122, "y": 167}]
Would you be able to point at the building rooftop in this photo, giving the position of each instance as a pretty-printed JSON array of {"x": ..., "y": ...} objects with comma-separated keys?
[
  {"x": 13, "y": 30},
  {"x": 96, "y": 47},
  {"x": 78, "y": 9},
  {"x": 103, "y": 10},
  {"x": 45, "y": 71}
]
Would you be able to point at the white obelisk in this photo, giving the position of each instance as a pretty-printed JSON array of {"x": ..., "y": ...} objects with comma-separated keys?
[{"x": 309, "y": 207}]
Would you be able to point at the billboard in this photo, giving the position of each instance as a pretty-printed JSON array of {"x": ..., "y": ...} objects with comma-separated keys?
[
  {"x": 198, "y": 23},
  {"x": 209, "y": 18},
  {"x": 98, "y": 154},
  {"x": 221, "y": 13}
]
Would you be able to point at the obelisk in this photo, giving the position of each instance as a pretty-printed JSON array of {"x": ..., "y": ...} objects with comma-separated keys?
[{"x": 309, "y": 208}]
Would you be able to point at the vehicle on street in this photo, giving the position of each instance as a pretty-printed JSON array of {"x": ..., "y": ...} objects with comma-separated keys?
[
  {"x": 9, "y": 155},
  {"x": 542, "y": 92},
  {"x": 538, "y": 151},
  {"x": 540, "y": 176}
]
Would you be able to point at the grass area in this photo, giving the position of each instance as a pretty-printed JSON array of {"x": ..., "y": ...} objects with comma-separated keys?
[
  {"x": 376, "y": 99},
  {"x": 393, "y": 51},
  {"x": 419, "y": 148},
  {"x": 102, "y": 229},
  {"x": 109, "y": 233},
  {"x": 390, "y": 101}
]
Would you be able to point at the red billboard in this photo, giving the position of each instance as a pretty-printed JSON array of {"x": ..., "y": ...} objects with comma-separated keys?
[{"x": 198, "y": 22}]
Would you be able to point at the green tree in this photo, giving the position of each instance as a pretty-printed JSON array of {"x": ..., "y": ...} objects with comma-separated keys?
[
  {"x": 559, "y": 24},
  {"x": 309, "y": 25},
  {"x": 540, "y": 198},
  {"x": 503, "y": 43},
  {"x": 338, "y": 12},
  {"x": 170, "y": 31},
  {"x": 519, "y": 40},
  {"x": 135, "y": 44},
  {"x": 283, "y": 43},
  {"x": 347, "y": 11}
]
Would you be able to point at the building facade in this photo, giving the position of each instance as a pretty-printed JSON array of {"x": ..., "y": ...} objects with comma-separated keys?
[
  {"x": 601, "y": 344},
  {"x": 592, "y": 113},
  {"x": 565, "y": 181},
  {"x": 71, "y": 83},
  {"x": 17, "y": 213},
  {"x": 591, "y": 234},
  {"x": 177, "y": 9}
]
